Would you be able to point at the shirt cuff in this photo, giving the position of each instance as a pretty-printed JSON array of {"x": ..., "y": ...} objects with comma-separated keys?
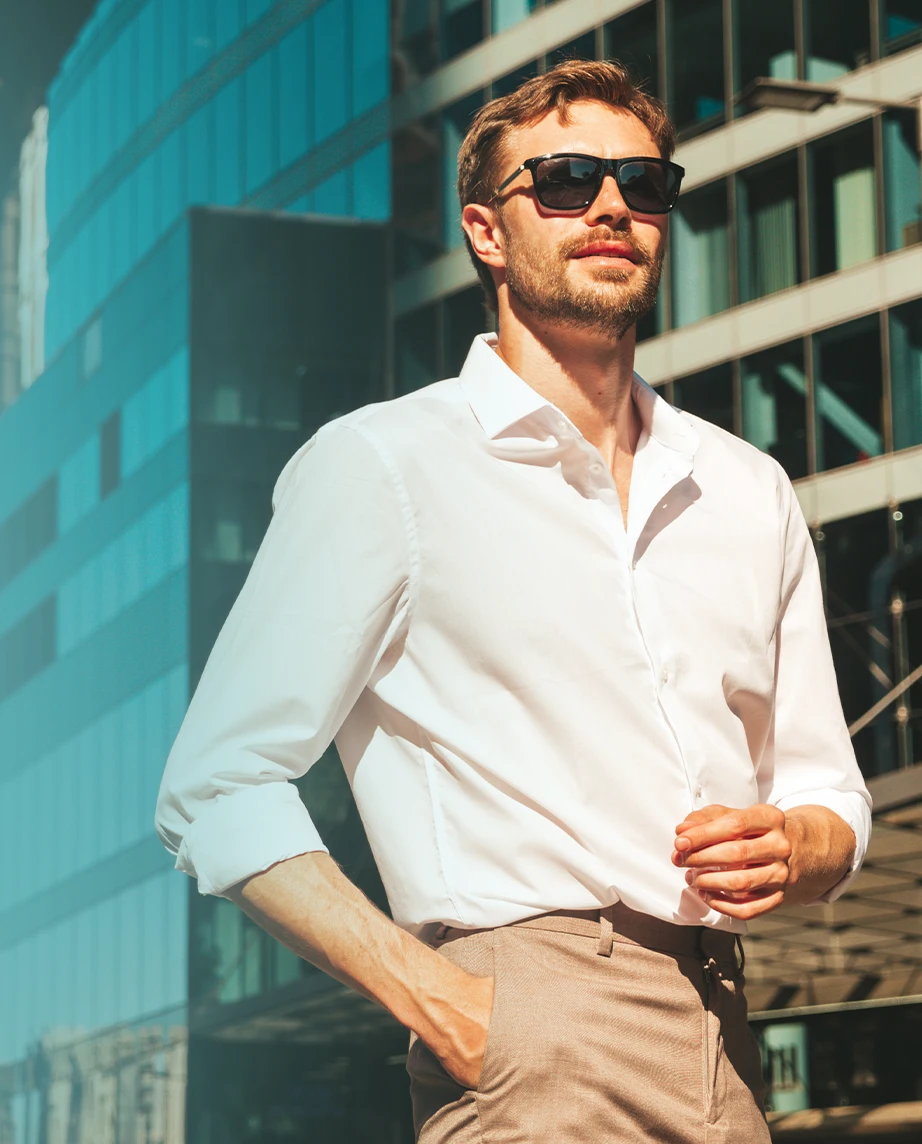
[
  {"x": 243, "y": 833},
  {"x": 852, "y": 807}
]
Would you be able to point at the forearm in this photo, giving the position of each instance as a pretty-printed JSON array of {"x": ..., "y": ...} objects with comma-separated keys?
[
  {"x": 822, "y": 849},
  {"x": 309, "y": 905}
]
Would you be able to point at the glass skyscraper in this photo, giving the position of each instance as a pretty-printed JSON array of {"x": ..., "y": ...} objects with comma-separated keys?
[{"x": 189, "y": 351}]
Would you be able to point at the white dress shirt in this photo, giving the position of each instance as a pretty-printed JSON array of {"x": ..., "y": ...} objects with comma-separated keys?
[{"x": 527, "y": 697}]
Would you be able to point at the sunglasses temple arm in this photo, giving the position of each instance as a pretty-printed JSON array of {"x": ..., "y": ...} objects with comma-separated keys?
[{"x": 505, "y": 183}]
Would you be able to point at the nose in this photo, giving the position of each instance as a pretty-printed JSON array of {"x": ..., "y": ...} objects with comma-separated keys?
[{"x": 608, "y": 205}]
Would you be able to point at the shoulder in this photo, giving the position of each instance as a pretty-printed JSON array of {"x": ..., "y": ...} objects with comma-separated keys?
[
  {"x": 741, "y": 473},
  {"x": 370, "y": 440}
]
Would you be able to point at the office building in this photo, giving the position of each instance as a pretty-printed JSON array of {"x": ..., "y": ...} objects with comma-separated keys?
[{"x": 790, "y": 313}]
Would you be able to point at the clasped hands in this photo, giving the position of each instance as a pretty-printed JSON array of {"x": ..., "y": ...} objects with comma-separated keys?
[{"x": 738, "y": 860}]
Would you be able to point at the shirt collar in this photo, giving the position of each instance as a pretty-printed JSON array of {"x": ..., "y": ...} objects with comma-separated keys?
[{"x": 499, "y": 398}]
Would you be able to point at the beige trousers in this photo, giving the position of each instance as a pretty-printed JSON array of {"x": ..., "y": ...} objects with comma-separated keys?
[{"x": 607, "y": 1027}]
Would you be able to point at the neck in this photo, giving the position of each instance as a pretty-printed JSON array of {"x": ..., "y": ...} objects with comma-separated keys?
[{"x": 589, "y": 378}]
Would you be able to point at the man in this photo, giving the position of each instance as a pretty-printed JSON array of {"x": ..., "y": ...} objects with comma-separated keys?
[{"x": 571, "y": 645}]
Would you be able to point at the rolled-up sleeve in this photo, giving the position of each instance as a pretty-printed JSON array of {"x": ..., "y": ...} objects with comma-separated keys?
[
  {"x": 809, "y": 758},
  {"x": 327, "y": 595}
]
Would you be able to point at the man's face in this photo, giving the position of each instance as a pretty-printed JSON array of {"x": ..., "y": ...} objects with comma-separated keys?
[{"x": 597, "y": 270}]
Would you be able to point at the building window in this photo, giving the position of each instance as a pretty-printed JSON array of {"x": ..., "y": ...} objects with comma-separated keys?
[
  {"x": 696, "y": 64},
  {"x": 415, "y": 40},
  {"x": 110, "y": 451},
  {"x": 902, "y": 209},
  {"x": 774, "y": 405},
  {"x": 768, "y": 228},
  {"x": 582, "y": 48},
  {"x": 709, "y": 395},
  {"x": 900, "y": 25},
  {"x": 228, "y": 144},
  {"x": 455, "y": 122},
  {"x": 906, "y": 374},
  {"x": 837, "y": 36},
  {"x": 763, "y": 41},
  {"x": 843, "y": 208},
  {"x": 294, "y": 110},
  {"x": 92, "y": 348},
  {"x": 27, "y": 647},
  {"x": 462, "y": 26},
  {"x": 508, "y": 83},
  {"x": 464, "y": 317},
  {"x": 506, "y": 13},
  {"x": 632, "y": 41},
  {"x": 850, "y": 551},
  {"x": 848, "y": 394},
  {"x": 700, "y": 254},
  {"x": 416, "y": 194},
  {"x": 416, "y": 349},
  {"x": 29, "y": 530},
  {"x": 261, "y": 118}
]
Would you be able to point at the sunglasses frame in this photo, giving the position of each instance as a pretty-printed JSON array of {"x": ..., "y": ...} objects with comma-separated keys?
[{"x": 606, "y": 166}]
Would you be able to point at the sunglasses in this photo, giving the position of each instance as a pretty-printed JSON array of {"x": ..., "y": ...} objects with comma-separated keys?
[{"x": 570, "y": 182}]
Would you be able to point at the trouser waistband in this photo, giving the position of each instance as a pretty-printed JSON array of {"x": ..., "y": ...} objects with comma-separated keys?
[{"x": 620, "y": 924}]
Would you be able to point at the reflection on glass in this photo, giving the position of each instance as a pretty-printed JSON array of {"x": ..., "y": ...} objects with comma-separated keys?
[
  {"x": 696, "y": 70},
  {"x": 708, "y": 394},
  {"x": 455, "y": 122},
  {"x": 514, "y": 79},
  {"x": 506, "y": 13},
  {"x": 416, "y": 193},
  {"x": 774, "y": 407},
  {"x": 700, "y": 254},
  {"x": 259, "y": 84},
  {"x": 416, "y": 349},
  {"x": 462, "y": 26},
  {"x": 768, "y": 238},
  {"x": 900, "y": 25},
  {"x": 582, "y": 48},
  {"x": 464, "y": 317},
  {"x": 294, "y": 113},
  {"x": 837, "y": 37},
  {"x": 415, "y": 42},
  {"x": 903, "y": 214},
  {"x": 632, "y": 40},
  {"x": 228, "y": 168},
  {"x": 763, "y": 39},
  {"x": 906, "y": 374},
  {"x": 848, "y": 394},
  {"x": 850, "y": 552},
  {"x": 843, "y": 209}
]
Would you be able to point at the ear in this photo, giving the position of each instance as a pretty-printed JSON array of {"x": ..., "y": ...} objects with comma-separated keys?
[{"x": 482, "y": 227}]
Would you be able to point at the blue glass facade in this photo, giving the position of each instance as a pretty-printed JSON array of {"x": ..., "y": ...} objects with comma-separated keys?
[
  {"x": 166, "y": 104},
  {"x": 125, "y": 533}
]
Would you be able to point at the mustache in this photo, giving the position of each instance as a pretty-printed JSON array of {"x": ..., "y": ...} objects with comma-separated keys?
[{"x": 604, "y": 234}]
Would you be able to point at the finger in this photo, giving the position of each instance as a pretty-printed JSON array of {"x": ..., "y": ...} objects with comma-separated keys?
[
  {"x": 772, "y": 847},
  {"x": 774, "y": 876},
  {"x": 745, "y": 910},
  {"x": 747, "y": 822},
  {"x": 705, "y": 814}
]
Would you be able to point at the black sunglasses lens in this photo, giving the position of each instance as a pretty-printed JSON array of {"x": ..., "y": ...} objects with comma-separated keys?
[
  {"x": 567, "y": 184},
  {"x": 650, "y": 188}
]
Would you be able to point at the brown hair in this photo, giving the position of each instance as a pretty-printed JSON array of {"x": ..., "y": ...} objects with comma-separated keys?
[{"x": 602, "y": 81}]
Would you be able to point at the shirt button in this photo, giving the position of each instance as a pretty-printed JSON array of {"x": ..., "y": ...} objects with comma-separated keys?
[
  {"x": 664, "y": 675},
  {"x": 698, "y": 792}
]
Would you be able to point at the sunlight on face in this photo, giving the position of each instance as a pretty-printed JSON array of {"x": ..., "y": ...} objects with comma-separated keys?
[{"x": 551, "y": 266}]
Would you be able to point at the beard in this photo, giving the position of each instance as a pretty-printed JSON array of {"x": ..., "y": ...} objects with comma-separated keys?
[{"x": 615, "y": 301}]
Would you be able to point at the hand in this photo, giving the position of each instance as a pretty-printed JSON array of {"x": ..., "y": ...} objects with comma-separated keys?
[
  {"x": 462, "y": 1036},
  {"x": 736, "y": 859}
]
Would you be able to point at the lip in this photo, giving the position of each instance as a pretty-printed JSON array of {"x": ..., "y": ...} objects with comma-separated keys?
[{"x": 607, "y": 250}]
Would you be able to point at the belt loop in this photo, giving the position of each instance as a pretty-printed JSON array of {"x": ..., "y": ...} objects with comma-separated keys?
[
  {"x": 606, "y": 932},
  {"x": 739, "y": 946}
]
